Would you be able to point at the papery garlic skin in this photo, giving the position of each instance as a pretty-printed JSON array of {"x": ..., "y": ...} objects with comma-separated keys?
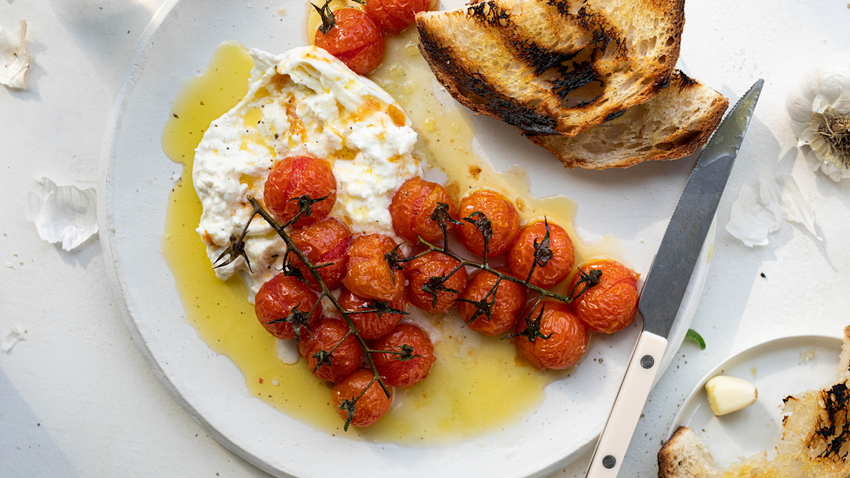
[
  {"x": 14, "y": 57},
  {"x": 822, "y": 95},
  {"x": 759, "y": 210}
]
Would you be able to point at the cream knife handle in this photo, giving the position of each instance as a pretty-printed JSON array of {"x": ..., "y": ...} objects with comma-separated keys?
[{"x": 614, "y": 441}]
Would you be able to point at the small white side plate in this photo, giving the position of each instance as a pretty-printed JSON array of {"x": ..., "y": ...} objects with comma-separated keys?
[{"x": 777, "y": 368}]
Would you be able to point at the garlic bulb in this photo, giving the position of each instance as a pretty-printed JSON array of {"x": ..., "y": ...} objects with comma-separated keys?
[{"x": 819, "y": 108}]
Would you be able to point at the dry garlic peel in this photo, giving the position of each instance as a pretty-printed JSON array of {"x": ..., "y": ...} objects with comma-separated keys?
[
  {"x": 819, "y": 108},
  {"x": 14, "y": 57},
  {"x": 729, "y": 394}
]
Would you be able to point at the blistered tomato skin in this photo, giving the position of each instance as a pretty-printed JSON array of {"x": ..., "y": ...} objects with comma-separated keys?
[
  {"x": 393, "y": 16},
  {"x": 276, "y": 299},
  {"x": 509, "y": 302},
  {"x": 504, "y": 220},
  {"x": 564, "y": 348},
  {"x": 424, "y": 272},
  {"x": 406, "y": 373},
  {"x": 371, "y": 406},
  {"x": 297, "y": 176},
  {"x": 324, "y": 242},
  {"x": 355, "y": 39},
  {"x": 521, "y": 255},
  {"x": 611, "y": 305},
  {"x": 345, "y": 359},
  {"x": 412, "y": 207},
  {"x": 371, "y": 325},
  {"x": 368, "y": 274}
]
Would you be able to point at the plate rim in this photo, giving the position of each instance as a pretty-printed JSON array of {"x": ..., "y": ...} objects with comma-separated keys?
[
  {"x": 767, "y": 345},
  {"x": 126, "y": 83}
]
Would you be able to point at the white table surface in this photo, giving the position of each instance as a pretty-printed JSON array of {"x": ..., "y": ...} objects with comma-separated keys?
[{"x": 76, "y": 398}]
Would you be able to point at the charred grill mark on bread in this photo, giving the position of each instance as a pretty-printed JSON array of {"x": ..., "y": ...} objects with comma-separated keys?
[
  {"x": 474, "y": 86},
  {"x": 553, "y": 66},
  {"x": 833, "y": 426},
  {"x": 570, "y": 76},
  {"x": 644, "y": 132},
  {"x": 603, "y": 31},
  {"x": 615, "y": 115},
  {"x": 574, "y": 78},
  {"x": 686, "y": 81}
]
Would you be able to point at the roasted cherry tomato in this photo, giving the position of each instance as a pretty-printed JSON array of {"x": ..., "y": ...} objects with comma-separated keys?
[
  {"x": 298, "y": 176},
  {"x": 276, "y": 299},
  {"x": 425, "y": 274},
  {"x": 404, "y": 373},
  {"x": 507, "y": 303},
  {"x": 370, "y": 407},
  {"x": 610, "y": 305},
  {"x": 368, "y": 273},
  {"x": 355, "y": 39},
  {"x": 564, "y": 348},
  {"x": 324, "y": 242},
  {"x": 554, "y": 262},
  {"x": 327, "y": 333},
  {"x": 504, "y": 221},
  {"x": 393, "y": 16},
  {"x": 413, "y": 206},
  {"x": 371, "y": 325}
]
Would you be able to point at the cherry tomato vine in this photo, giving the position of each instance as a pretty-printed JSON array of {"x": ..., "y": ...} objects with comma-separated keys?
[{"x": 300, "y": 319}]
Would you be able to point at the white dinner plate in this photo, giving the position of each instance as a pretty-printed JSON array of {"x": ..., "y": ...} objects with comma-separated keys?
[
  {"x": 633, "y": 205},
  {"x": 778, "y": 368}
]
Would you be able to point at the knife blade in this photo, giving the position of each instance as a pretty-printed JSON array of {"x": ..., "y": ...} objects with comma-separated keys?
[{"x": 668, "y": 280}]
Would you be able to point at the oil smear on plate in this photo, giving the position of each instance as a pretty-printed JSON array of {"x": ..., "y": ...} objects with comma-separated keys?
[{"x": 477, "y": 384}]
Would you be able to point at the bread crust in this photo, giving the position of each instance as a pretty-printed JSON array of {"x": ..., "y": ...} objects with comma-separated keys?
[
  {"x": 666, "y": 462},
  {"x": 543, "y": 62},
  {"x": 685, "y": 140},
  {"x": 684, "y": 455}
]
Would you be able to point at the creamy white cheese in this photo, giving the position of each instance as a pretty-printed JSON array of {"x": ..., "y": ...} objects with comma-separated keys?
[{"x": 303, "y": 101}]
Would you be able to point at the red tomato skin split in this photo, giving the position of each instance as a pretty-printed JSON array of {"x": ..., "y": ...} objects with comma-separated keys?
[
  {"x": 324, "y": 242},
  {"x": 411, "y": 210},
  {"x": 370, "y": 325},
  {"x": 393, "y": 16},
  {"x": 419, "y": 272},
  {"x": 510, "y": 301},
  {"x": 296, "y": 176},
  {"x": 564, "y": 348},
  {"x": 276, "y": 299},
  {"x": 611, "y": 305},
  {"x": 327, "y": 333},
  {"x": 504, "y": 220},
  {"x": 355, "y": 40},
  {"x": 373, "y": 405},
  {"x": 368, "y": 274},
  {"x": 521, "y": 254},
  {"x": 404, "y": 373}
]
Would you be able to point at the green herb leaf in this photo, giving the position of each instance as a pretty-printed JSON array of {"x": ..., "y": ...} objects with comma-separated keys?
[{"x": 693, "y": 335}]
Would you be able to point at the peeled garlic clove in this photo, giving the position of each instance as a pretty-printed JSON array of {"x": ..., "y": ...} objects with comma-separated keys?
[{"x": 729, "y": 394}]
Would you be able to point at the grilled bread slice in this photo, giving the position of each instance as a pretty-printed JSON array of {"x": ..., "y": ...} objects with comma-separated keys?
[
  {"x": 553, "y": 66},
  {"x": 815, "y": 439},
  {"x": 685, "y": 455},
  {"x": 672, "y": 125}
]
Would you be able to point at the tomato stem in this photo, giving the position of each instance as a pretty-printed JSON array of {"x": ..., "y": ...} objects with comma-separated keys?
[
  {"x": 484, "y": 307},
  {"x": 325, "y": 357},
  {"x": 328, "y": 19}
]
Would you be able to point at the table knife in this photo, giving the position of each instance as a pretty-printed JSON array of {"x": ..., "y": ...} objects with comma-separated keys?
[{"x": 668, "y": 279}]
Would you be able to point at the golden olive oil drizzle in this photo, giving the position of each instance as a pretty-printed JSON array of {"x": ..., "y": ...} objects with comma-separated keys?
[{"x": 477, "y": 383}]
